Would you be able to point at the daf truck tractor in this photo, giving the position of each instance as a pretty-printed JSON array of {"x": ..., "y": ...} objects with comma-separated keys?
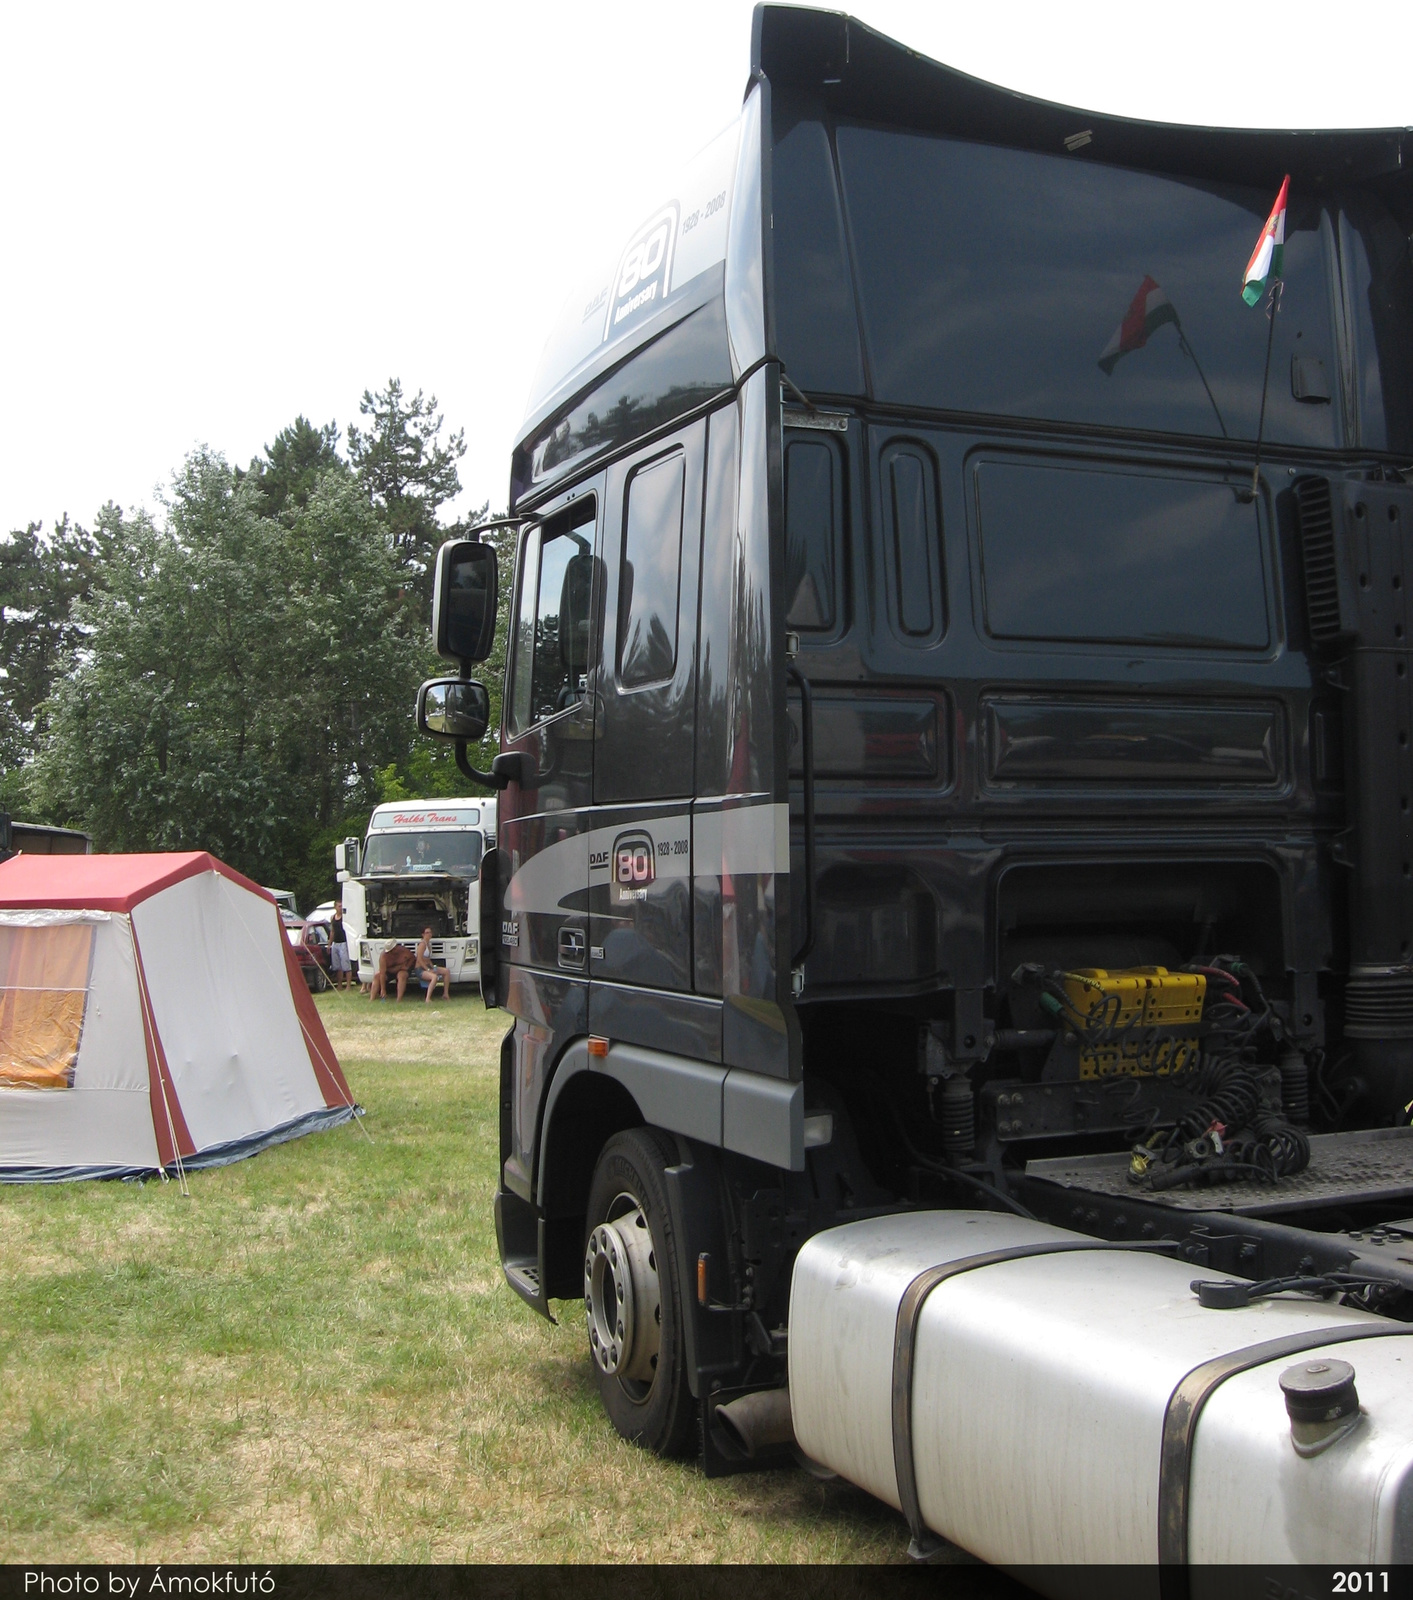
[
  {"x": 418, "y": 867},
  {"x": 953, "y": 894}
]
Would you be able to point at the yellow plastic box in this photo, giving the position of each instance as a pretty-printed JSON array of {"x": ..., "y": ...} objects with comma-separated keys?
[{"x": 1135, "y": 999}]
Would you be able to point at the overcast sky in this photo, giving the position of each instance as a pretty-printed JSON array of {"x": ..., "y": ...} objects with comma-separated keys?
[{"x": 217, "y": 216}]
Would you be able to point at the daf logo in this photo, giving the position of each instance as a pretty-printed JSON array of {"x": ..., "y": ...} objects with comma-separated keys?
[
  {"x": 510, "y": 932},
  {"x": 644, "y": 272},
  {"x": 633, "y": 867}
]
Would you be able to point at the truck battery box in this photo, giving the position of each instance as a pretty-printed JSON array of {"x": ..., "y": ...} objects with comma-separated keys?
[{"x": 1141, "y": 1021}]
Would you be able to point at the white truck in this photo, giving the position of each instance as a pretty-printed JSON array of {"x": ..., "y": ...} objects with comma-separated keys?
[{"x": 419, "y": 867}]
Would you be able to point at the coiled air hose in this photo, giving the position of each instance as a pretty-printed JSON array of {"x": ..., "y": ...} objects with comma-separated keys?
[{"x": 1225, "y": 1133}]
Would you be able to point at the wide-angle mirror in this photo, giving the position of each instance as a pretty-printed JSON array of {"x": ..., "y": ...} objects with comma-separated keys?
[
  {"x": 464, "y": 601},
  {"x": 453, "y": 708}
]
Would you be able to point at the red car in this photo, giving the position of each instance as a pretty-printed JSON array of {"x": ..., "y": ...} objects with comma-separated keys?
[{"x": 310, "y": 943}]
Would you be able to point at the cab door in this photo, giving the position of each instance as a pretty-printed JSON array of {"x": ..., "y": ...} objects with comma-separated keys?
[
  {"x": 640, "y": 867},
  {"x": 544, "y": 817}
]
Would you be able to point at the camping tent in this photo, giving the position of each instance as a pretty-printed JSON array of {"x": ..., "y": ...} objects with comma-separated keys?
[{"x": 152, "y": 1017}]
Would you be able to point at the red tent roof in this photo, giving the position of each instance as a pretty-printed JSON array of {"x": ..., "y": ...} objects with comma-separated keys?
[{"x": 103, "y": 883}]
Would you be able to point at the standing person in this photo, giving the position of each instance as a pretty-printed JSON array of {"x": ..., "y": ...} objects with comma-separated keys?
[
  {"x": 428, "y": 972},
  {"x": 338, "y": 949}
]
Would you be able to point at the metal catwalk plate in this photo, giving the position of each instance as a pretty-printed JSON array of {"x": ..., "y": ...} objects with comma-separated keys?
[{"x": 1344, "y": 1168}]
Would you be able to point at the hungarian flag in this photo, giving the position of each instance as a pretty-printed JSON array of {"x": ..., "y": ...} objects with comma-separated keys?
[
  {"x": 1148, "y": 311},
  {"x": 1266, "y": 258}
]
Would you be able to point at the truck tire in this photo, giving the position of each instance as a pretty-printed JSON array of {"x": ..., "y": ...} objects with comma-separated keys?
[{"x": 633, "y": 1295}]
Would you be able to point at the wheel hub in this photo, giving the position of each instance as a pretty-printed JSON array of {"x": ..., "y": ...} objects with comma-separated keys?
[{"x": 622, "y": 1297}]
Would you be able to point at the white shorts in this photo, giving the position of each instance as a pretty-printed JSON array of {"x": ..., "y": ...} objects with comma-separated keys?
[{"x": 338, "y": 957}]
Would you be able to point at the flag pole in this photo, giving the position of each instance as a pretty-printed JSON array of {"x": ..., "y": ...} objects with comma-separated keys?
[
  {"x": 1265, "y": 264},
  {"x": 1272, "y": 306}
]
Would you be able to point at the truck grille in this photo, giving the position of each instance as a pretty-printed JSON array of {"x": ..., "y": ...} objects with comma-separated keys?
[
  {"x": 1315, "y": 514},
  {"x": 439, "y": 947}
]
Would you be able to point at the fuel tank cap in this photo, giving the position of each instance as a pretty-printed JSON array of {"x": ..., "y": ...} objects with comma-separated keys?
[
  {"x": 1319, "y": 1391},
  {"x": 1321, "y": 1402}
]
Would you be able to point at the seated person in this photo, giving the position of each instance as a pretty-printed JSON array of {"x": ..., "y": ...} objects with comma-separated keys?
[
  {"x": 427, "y": 972},
  {"x": 397, "y": 960}
]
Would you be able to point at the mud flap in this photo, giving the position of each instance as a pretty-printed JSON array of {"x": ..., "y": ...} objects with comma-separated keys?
[{"x": 712, "y": 1336}]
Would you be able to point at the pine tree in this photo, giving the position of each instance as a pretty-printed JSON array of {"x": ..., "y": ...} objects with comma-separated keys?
[
  {"x": 299, "y": 456},
  {"x": 408, "y": 473}
]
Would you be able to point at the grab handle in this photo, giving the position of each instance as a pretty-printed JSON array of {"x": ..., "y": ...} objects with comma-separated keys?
[{"x": 807, "y": 759}]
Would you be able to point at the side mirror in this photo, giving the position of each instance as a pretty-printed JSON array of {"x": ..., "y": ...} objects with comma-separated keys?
[
  {"x": 453, "y": 708},
  {"x": 464, "y": 601},
  {"x": 346, "y": 858}
]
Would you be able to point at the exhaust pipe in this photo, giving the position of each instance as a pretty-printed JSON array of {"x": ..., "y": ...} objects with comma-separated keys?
[{"x": 756, "y": 1421}]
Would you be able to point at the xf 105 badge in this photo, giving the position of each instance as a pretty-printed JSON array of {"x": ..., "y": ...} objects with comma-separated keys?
[
  {"x": 632, "y": 867},
  {"x": 644, "y": 273}
]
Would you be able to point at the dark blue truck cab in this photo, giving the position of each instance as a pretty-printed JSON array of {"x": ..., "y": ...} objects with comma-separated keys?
[{"x": 903, "y": 672}]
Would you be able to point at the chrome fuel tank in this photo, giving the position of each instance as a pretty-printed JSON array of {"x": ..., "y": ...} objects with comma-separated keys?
[{"x": 1048, "y": 1391}]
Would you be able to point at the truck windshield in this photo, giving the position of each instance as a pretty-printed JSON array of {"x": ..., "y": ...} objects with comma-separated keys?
[{"x": 456, "y": 853}]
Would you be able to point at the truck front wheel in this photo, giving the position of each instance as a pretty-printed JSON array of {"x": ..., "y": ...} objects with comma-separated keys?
[{"x": 633, "y": 1295}]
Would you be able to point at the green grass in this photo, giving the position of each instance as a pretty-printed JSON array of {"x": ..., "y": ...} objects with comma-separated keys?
[{"x": 315, "y": 1357}]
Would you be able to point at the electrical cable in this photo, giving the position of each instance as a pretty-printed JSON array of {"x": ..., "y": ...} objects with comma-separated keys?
[
  {"x": 1228, "y": 1131},
  {"x": 1227, "y": 1294},
  {"x": 956, "y": 1176},
  {"x": 940, "y": 1169}
]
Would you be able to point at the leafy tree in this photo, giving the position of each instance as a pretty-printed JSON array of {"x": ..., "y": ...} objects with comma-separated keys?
[
  {"x": 429, "y": 772},
  {"x": 358, "y": 688},
  {"x": 294, "y": 463},
  {"x": 40, "y": 577},
  {"x": 408, "y": 473},
  {"x": 244, "y": 677},
  {"x": 237, "y": 673}
]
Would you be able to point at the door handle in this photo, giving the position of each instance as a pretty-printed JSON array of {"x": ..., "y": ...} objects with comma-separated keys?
[{"x": 572, "y": 944}]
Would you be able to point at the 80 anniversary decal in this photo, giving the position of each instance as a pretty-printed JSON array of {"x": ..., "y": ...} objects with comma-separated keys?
[{"x": 636, "y": 860}]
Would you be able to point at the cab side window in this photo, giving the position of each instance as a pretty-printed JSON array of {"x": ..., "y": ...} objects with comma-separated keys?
[
  {"x": 552, "y": 626},
  {"x": 651, "y": 573}
]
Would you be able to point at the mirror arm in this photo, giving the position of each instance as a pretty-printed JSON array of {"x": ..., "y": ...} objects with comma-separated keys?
[{"x": 489, "y": 780}]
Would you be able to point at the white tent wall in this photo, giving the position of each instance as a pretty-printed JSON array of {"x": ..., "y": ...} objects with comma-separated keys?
[
  {"x": 240, "y": 1069},
  {"x": 104, "y": 1122}
]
